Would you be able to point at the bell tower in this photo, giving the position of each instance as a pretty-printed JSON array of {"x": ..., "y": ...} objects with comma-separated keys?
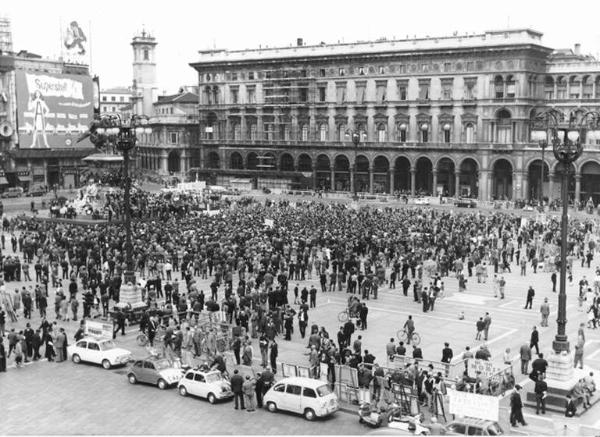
[{"x": 144, "y": 89}]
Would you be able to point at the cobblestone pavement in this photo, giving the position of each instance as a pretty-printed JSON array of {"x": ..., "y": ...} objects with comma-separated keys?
[{"x": 67, "y": 399}]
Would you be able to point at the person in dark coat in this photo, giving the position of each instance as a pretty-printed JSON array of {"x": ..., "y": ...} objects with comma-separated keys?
[
  {"x": 516, "y": 407},
  {"x": 259, "y": 390},
  {"x": 237, "y": 347},
  {"x": 274, "y": 352},
  {"x": 541, "y": 388},
  {"x": 534, "y": 340},
  {"x": 363, "y": 312},
  {"x": 237, "y": 381},
  {"x": 36, "y": 343},
  {"x": 2, "y": 356}
]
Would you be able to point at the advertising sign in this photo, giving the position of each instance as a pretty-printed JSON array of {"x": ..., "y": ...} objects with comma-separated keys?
[
  {"x": 486, "y": 368},
  {"x": 474, "y": 405},
  {"x": 75, "y": 42},
  {"x": 53, "y": 109},
  {"x": 98, "y": 329}
]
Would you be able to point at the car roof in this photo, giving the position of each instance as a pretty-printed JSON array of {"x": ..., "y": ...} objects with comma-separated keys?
[
  {"x": 472, "y": 421},
  {"x": 210, "y": 372},
  {"x": 305, "y": 382},
  {"x": 96, "y": 339}
]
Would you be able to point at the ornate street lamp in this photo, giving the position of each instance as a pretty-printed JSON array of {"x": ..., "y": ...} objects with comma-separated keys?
[
  {"x": 567, "y": 145},
  {"x": 112, "y": 130}
]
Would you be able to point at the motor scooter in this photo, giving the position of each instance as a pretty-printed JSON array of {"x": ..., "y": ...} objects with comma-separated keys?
[{"x": 410, "y": 424}]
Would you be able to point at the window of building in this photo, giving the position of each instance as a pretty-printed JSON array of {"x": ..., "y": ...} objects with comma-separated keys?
[
  {"x": 574, "y": 87},
  {"x": 322, "y": 72},
  {"x": 424, "y": 136},
  {"x": 104, "y": 98},
  {"x": 234, "y": 76},
  {"x": 121, "y": 99},
  {"x": 251, "y": 94},
  {"x": 469, "y": 133},
  {"x": 303, "y": 73},
  {"x": 381, "y": 91},
  {"x": 146, "y": 55},
  {"x": 381, "y": 133},
  {"x": 447, "y": 66},
  {"x": 504, "y": 135},
  {"x": 510, "y": 87},
  {"x": 402, "y": 89},
  {"x": 424, "y": 89},
  {"x": 113, "y": 99},
  {"x": 499, "y": 87},
  {"x": 381, "y": 69},
  {"x": 253, "y": 131},
  {"x": 342, "y": 71},
  {"x": 340, "y": 95},
  {"x": 447, "y": 134},
  {"x": 235, "y": 95},
  {"x": 323, "y": 132},
  {"x": 304, "y": 132},
  {"x": 360, "y": 92},
  {"x": 402, "y": 129},
  {"x": 341, "y": 132},
  {"x": 173, "y": 137},
  {"x": 251, "y": 75},
  {"x": 303, "y": 94},
  {"x": 237, "y": 132},
  {"x": 361, "y": 71},
  {"x": 469, "y": 88},
  {"x": 208, "y": 77},
  {"x": 113, "y": 109},
  {"x": 362, "y": 132},
  {"x": 286, "y": 133},
  {"x": 322, "y": 93},
  {"x": 447, "y": 89}
]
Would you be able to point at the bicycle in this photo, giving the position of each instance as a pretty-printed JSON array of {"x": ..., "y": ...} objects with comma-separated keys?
[
  {"x": 402, "y": 335},
  {"x": 343, "y": 316}
]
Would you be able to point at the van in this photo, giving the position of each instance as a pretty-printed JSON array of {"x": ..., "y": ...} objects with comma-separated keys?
[
  {"x": 472, "y": 426},
  {"x": 13, "y": 192},
  {"x": 310, "y": 397}
]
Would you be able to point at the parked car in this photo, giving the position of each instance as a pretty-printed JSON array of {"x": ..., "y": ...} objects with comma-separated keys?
[
  {"x": 421, "y": 201},
  {"x": 209, "y": 385},
  {"x": 99, "y": 351},
  {"x": 36, "y": 191},
  {"x": 13, "y": 192},
  {"x": 155, "y": 371},
  {"x": 465, "y": 202},
  {"x": 310, "y": 397},
  {"x": 472, "y": 426}
]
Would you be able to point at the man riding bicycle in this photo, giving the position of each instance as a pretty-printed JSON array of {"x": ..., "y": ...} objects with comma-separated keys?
[
  {"x": 409, "y": 327},
  {"x": 353, "y": 306}
]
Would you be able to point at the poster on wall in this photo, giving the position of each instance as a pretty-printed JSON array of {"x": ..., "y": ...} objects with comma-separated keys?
[
  {"x": 53, "y": 109},
  {"x": 75, "y": 38}
]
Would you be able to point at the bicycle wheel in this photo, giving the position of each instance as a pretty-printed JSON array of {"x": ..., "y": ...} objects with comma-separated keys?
[
  {"x": 401, "y": 335},
  {"x": 343, "y": 316},
  {"x": 141, "y": 339},
  {"x": 221, "y": 344},
  {"x": 416, "y": 339}
]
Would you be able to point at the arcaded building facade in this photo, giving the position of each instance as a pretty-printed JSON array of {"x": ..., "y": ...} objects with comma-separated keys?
[{"x": 447, "y": 115}]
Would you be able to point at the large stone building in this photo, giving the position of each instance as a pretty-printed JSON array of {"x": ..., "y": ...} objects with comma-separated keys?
[{"x": 445, "y": 115}]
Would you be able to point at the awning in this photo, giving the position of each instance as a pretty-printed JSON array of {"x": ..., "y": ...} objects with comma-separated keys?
[
  {"x": 3, "y": 181},
  {"x": 102, "y": 157}
]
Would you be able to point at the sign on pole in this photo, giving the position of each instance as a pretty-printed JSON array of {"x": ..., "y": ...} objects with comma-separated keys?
[
  {"x": 486, "y": 368},
  {"x": 474, "y": 405},
  {"x": 98, "y": 329}
]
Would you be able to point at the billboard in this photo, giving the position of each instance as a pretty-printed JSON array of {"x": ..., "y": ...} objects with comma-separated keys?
[
  {"x": 53, "y": 109},
  {"x": 75, "y": 42}
]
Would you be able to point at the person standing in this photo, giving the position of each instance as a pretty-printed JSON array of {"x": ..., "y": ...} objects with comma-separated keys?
[
  {"x": 447, "y": 356},
  {"x": 409, "y": 327},
  {"x": 516, "y": 407},
  {"x": 530, "y": 294},
  {"x": 487, "y": 320},
  {"x": 274, "y": 352},
  {"x": 553, "y": 279},
  {"x": 578, "y": 357},
  {"x": 237, "y": 383},
  {"x": 259, "y": 387},
  {"x": 541, "y": 389},
  {"x": 545, "y": 312},
  {"x": 263, "y": 344},
  {"x": 2, "y": 355},
  {"x": 534, "y": 340},
  {"x": 249, "y": 390},
  {"x": 525, "y": 353},
  {"x": 480, "y": 325}
]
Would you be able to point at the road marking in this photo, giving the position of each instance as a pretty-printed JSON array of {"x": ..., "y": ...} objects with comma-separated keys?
[
  {"x": 506, "y": 334},
  {"x": 474, "y": 299},
  {"x": 505, "y": 304}
]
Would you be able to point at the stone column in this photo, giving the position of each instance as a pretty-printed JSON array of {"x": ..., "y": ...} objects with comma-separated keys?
[
  {"x": 517, "y": 184},
  {"x": 352, "y": 179},
  {"x": 577, "y": 187},
  {"x": 164, "y": 162},
  {"x": 332, "y": 179},
  {"x": 371, "y": 181},
  {"x": 484, "y": 191},
  {"x": 413, "y": 181},
  {"x": 457, "y": 184},
  {"x": 391, "y": 173},
  {"x": 314, "y": 178},
  {"x": 434, "y": 187}
]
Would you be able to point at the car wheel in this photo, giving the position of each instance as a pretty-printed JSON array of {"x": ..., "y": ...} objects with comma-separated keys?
[
  {"x": 162, "y": 384},
  {"x": 132, "y": 379},
  {"x": 183, "y": 390},
  {"x": 309, "y": 414},
  {"x": 272, "y": 407},
  {"x": 211, "y": 398},
  {"x": 106, "y": 364},
  {"x": 76, "y": 358}
]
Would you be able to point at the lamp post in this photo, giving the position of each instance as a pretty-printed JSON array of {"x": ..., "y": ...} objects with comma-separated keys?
[
  {"x": 355, "y": 136},
  {"x": 566, "y": 140},
  {"x": 113, "y": 130},
  {"x": 543, "y": 145}
]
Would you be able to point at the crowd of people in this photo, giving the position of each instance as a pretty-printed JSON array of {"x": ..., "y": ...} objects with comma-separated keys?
[{"x": 252, "y": 253}]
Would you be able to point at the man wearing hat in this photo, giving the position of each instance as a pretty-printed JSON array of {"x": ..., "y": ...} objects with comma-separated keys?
[{"x": 516, "y": 407}]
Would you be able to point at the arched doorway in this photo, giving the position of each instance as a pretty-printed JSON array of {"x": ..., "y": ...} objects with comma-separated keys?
[
  {"x": 286, "y": 162},
  {"x": 213, "y": 160},
  {"x": 534, "y": 173},
  {"x": 173, "y": 162},
  {"x": 446, "y": 179},
  {"x": 557, "y": 182},
  {"x": 361, "y": 177},
  {"x": 236, "y": 161},
  {"x": 252, "y": 161},
  {"x": 323, "y": 172},
  {"x": 590, "y": 182},
  {"x": 304, "y": 163},
  {"x": 381, "y": 179},
  {"x": 402, "y": 175},
  {"x": 502, "y": 180},
  {"x": 341, "y": 167},
  {"x": 468, "y": 179},
  {"x": 424, "y": 177}
]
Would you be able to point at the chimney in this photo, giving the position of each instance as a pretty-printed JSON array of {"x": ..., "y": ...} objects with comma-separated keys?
[
  {"x": 299, "y": 42},
  {"x": 577, "y": 49}
]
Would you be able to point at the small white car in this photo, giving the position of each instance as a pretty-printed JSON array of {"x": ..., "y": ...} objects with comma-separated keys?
[
  {"x": 310, "y": 397},
  {"x": 421, "y": 201},
  {"x": 99, "y": 351},
  {"x": 209, "y": 385}
]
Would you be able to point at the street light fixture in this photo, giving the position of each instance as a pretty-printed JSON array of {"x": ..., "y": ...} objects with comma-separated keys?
[
  {"x": 109, "y": 130},
  {"x": 567, "y": 146}
]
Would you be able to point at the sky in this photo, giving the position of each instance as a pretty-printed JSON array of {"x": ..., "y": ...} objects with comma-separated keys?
[{"x": 184, "y": 27}]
